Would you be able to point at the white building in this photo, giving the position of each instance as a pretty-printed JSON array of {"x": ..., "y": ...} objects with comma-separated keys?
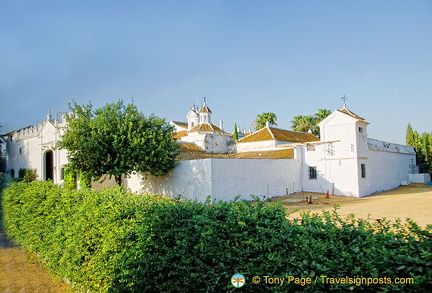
[
  {"x": 33, "y": 147},
  {"x": 269, "y": 162}
]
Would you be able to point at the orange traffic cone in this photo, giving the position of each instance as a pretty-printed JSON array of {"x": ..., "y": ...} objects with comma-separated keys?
[
  {"x": 307, "y": 200},
  {"x": 327, "y": 195},
  {"x": 310, "y": 199}
]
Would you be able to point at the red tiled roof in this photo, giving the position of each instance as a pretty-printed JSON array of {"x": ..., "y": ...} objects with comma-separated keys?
[
  {"x": 278, "y": 154},
  {"x": 271, "y": 133},
  {"x": 178, "y": 135},
  {"x": 205, "y": 109},
  {"x": 181, "y": 124},
  {"x": 206, "y": 127},
  {"x": 348, "y": 112}
]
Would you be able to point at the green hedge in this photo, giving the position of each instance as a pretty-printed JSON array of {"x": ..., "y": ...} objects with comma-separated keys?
[{"x": 109, "y": 241}]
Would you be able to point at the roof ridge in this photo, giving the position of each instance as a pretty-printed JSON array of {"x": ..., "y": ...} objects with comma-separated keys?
[{"x": 271, "y": 133}]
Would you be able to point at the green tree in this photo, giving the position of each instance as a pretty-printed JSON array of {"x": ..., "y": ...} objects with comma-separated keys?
[
  {"x": 322, "y": 114},
  {"x": 304, "y": 123},
  {"x": 409, "y": 136},
  {"x": 117, "y": 140},
  {"x": 262, "y": 119},
  {"x": 235, "y": 133}
]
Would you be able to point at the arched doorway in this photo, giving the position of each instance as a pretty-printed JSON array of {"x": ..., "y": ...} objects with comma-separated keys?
[{"x": 49, "y": 165}]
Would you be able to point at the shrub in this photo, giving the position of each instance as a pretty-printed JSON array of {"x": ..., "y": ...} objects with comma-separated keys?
[
  {"x": 109, "y": 241},
  {"x": 70, "y": 178}
]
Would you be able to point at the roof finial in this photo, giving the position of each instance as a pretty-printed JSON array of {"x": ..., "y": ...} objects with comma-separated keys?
[
  {"x": 204, "y": 101},
  {"x": 344, "y": 100}
]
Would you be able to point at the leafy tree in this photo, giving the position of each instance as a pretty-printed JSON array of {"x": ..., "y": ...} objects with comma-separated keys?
[
  {"x": 409, "y": 136},
  {"x": 235, "y": 133},
  {"x": 117, "y": 140},
  {"x": 262, "y": 119},
  {"x": 322, "y": 114},
  {"x": 304, "y": 123}
]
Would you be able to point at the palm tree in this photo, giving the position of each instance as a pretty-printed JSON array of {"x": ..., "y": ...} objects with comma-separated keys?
[
  {"x": 322, "y": 114},
  {"x": 262, "y": 119},
  {"x": 304, "y": 123}
]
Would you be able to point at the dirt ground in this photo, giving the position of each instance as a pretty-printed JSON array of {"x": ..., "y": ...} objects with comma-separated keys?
[
  {"x": 413, "y": 201},
  {"x": 19, "y": 274}
]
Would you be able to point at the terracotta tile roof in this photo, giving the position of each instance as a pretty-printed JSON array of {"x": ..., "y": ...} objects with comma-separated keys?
[
  {"x": 178, "y": 135},
  {"x": 348, "y": 112},
  {"x": 189, "y": 147},
  {"x": 205, "y": 109},
  {"x": 273, "y": 155},
  {"x": 271, "y": 133},
  {"x": 206, "y": 127},
  {"x": 180, "y": 124},
  {"x": 278, "y": 154}
]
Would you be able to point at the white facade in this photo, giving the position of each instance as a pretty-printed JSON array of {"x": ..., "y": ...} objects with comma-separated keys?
[
  {"x": 344, "y": 161},
  {"x": 223, "y": 179},
  {"x": 34, "y": 148},
  {"x": 348, "y": 163}
]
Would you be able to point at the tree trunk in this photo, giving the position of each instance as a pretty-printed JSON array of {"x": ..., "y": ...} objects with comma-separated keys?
[{"x": 118, "y": 180}]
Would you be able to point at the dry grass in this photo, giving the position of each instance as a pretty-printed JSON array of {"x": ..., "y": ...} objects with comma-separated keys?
[
  {"x": 413, "y": 201},
  {"x": 19, "y": 274}
]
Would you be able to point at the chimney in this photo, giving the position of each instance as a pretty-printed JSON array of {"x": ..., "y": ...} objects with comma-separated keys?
[{"x": 221, "y": 124}]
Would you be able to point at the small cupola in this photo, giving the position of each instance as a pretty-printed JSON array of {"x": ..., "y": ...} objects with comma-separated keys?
[{"x": 204, "y": 113}]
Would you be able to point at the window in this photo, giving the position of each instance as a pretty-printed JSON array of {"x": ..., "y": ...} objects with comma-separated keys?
[
  {"x": 312, "y": 173},
  {"x": 310, "y": 148},
  {"x": 363, "y": 170},
  {"x": 361, "y": 129},
  {"x": 62, "y": 173},
  {"x": 20, "y": 151}
]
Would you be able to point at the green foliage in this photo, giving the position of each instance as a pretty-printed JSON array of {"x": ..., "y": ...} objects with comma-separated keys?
[
  {"x": 304, "y": 123},
  {"x": 85, "y": 179},
  {"x": 118, "y": 140},
  {"x": 70, "y": 178},
  {"x": 105, "y": 242},
  {"x": 5, "y": 181},
  {"x": 262, "y": 119},
  {"x": 27, "y": 175},
  {"x": 409, "y": 136},
  {"x": 235, "y": 133},
  {"x": 422, "y": 145}
]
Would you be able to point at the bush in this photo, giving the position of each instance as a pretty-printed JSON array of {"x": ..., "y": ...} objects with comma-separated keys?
[
  {"x": 108, "y": 241},
  {"x": 70, "y": 178}
]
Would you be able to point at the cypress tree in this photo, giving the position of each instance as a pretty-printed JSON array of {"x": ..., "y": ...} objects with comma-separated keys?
[{"x": 235, "y": 134}]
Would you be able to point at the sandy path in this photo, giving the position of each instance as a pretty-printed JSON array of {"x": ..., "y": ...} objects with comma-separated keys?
[
  {"x": 19, "y": 274},
  {"x": 413, "y": 201}
]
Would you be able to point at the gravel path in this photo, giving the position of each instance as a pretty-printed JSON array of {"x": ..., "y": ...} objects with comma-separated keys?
[{"x": 19, "y": 274}]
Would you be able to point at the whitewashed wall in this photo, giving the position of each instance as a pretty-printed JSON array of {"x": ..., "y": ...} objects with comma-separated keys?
[
  {"x": 336, "y": 169},
  {"x": 190, "y": 179},
  {"x": 387, "y": 166},
  {"x": 34, "y": 142},
  {"x": 259, "y": 177},
  {"x": 223, "y": 179},
  {"x": 256, "y": 146}
]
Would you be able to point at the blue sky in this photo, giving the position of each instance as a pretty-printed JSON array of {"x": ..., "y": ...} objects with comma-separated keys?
[{"x": 246, "y": 57}]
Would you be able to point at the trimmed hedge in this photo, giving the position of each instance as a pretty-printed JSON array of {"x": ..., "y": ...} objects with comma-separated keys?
[{"x": 109, "y": 241}]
